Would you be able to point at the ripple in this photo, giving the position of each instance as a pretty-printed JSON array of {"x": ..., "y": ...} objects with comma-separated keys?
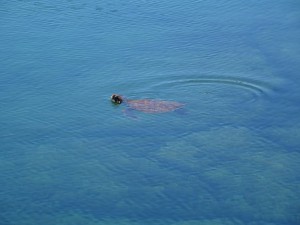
[
  {"x": 213, "y": 85},
  {"x": 255, "y": 86}
]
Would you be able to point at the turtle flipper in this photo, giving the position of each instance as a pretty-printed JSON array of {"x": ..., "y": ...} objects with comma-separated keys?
[
  {"x": 181, "y": 111},
  {"x": 128, "y": 112}
]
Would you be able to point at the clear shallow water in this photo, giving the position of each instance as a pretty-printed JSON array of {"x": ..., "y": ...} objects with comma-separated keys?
[{"x": 68, "y": 156}]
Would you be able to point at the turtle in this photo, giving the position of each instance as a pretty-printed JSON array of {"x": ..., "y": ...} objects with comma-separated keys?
[{"x": 147, "y": 105}]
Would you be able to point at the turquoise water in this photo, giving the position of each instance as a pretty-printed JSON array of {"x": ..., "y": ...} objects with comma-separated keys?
[{"x": 69, "y": 156}]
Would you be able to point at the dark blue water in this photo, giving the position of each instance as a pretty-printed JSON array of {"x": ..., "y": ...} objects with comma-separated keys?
[{"x": 69, "y": 156}]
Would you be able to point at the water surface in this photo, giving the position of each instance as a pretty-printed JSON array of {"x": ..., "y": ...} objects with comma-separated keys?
[{"x": 69, "y": 156}]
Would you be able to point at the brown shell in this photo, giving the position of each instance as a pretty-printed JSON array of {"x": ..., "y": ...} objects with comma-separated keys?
[{"x": 153, "y": 106}]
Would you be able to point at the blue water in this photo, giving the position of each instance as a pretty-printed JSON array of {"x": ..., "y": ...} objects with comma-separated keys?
[{"x": 69, "y": 156}]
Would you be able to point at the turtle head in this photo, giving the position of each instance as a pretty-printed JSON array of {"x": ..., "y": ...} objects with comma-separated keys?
[{"x": 117, "y": 99}]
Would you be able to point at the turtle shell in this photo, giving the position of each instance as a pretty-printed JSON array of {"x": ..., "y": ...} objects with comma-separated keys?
[{"x": 153, "y": 106}]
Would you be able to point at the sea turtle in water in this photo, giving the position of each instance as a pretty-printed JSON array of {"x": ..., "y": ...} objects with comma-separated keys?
[{"x": 147, "y": 105}]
